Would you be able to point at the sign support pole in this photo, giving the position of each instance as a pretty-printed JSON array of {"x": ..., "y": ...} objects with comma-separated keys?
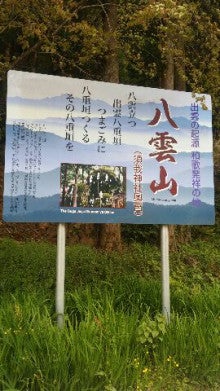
[
  {"x": 60, "y": 279},
  {"x": 165, "y": 272}
]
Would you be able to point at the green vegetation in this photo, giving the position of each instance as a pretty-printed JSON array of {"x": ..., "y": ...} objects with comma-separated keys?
[{"x": 115, "y": 337}]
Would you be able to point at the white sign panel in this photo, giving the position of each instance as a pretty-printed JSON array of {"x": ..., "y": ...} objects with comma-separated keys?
[{"x": 86, "y": 151}]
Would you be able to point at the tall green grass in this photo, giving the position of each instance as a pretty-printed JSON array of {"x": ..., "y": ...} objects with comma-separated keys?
[
  {"x": 32, "y": 266},
  {"x": 100, "y": 346},
  {"x": 114, "y": 336}
]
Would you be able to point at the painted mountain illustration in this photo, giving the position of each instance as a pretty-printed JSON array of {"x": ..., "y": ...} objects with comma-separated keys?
[{"x": 45, "y": 210}]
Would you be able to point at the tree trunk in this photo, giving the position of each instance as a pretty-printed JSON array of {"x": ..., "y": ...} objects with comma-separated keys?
[
  {"x": 111, "y": 71},
  {"x": 110, "y": 234},
  {"x": 172, "y": 79},
  {"x": 167, "y": 80},
  {"x": 180, "y": 83}
]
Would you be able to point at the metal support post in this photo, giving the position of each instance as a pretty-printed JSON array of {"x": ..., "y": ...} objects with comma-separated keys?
[
  {"x": 60, "y": 280},
  {"x": 165, "y": 272}
]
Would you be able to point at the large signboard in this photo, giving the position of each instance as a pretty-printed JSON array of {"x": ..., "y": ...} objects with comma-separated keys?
[{"x": 87, "y": 151}]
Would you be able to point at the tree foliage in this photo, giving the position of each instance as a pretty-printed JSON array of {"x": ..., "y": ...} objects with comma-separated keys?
[
  {"x": 41, "y": 36},
  {"x": 188, "y": 31}
]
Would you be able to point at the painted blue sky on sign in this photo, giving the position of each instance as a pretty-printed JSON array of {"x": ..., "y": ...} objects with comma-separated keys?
[{"x": 47, "y": 110}]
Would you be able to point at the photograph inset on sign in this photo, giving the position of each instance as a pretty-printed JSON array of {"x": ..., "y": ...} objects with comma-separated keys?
[{"x": 90, "y": 186}]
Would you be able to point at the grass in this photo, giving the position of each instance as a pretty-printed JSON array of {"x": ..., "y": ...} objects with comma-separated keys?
[
  {"x": 100, "y": 346},
  {"x": 114, "y": 336}
]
